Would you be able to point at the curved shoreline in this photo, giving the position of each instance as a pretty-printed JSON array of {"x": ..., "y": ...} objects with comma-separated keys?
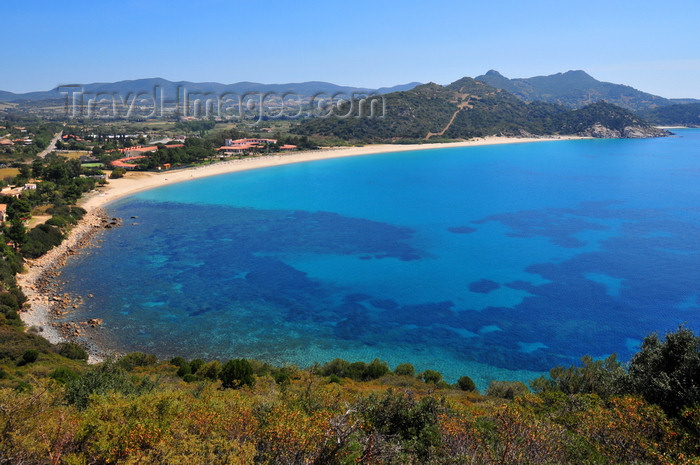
[
  {"x": 138, "y": 181},
  {"x": 43, "y": 305}
]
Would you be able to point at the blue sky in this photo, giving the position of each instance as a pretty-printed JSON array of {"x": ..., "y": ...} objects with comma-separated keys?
[{"x": 650, "y": 45}]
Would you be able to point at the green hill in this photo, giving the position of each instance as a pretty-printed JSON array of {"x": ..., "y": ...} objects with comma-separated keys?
[
  {"x": 574, "y": 89},
  {"x": 470, "y": 108},
  {"x": 675, "y": 115}
]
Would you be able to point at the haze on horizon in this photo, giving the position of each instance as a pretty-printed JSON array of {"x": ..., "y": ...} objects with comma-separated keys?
[{"x": 369, "y": 44}]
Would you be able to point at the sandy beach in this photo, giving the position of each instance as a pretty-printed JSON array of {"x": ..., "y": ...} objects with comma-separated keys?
[
  {"x": 45, "y": 305},
  {"x": 135, "y": 182}
]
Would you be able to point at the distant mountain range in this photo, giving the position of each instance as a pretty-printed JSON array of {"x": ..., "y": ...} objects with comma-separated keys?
[
  {"x": 170, "y": 89},
  {"x": 470, "y": 108},
  {"x": 571, "y": 90},
  {"x": 576, "y": 89}
]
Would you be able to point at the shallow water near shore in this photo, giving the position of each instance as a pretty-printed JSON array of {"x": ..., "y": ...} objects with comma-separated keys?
[{"x": 497, "y": 262}]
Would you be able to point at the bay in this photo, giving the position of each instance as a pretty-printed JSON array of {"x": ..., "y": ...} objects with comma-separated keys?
[{"x": 497, "y": 262}]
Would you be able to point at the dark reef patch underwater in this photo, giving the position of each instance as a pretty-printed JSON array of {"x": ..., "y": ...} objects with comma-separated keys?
[{"x": 497, "y": 262}]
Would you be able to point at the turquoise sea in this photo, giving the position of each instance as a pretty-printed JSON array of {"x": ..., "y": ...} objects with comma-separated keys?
[{"x": 497, "y": 262}]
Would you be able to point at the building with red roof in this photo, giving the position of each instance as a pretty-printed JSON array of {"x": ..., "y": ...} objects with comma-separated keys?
[{"x": 122, "y": 162}]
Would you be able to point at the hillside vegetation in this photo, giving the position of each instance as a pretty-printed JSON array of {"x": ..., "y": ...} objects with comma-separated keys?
[
  {"x": 469, "y": 108},
  {"x": 675, "y": 115},
  {"x": 54, "y": 409},
  {"x": 574, "y": 89}
]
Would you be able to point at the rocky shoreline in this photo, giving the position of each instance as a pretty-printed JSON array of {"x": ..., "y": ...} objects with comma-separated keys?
[{"x": 47, "y": 310}]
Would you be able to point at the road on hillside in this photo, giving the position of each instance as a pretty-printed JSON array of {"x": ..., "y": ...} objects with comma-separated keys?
[{"x": 52, "y": 145}]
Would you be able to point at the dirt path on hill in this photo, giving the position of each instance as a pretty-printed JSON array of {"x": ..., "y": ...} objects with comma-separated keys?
[
  {"x": 461, "y": 106},
  {"x": 444, "y": 130}
]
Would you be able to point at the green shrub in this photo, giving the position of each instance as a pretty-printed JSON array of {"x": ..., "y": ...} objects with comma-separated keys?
[
  {"x": 117, "y": 173},
  {"x": 338, "y": 367},
  {"x": 431, "y": 376},
  {"x": 72, "y": 351},
  {"x": 30, "y": 356},
  {"x": 63, "y": 375},
  {"x": 356, "y": 370},
  {"x": 13, "y": 318},
  {"x": 183, "y": 366},
  {"x": 405, "y": 369},
  {"x": 58, "y": 221},
  {"x": 40, "y": 240},
  {"x": 136, "y": 359},
  {"x": 465, "y": 383},
  {"x": 283, "y": 376},
  {"x": 601, "y": 377},
  {"x": 236, "y": 374},
  {"x": 9, "y": 300},
  {"x": 177, "y": 361},
  {"x": 210, "y": 370},
  {"x": 184, "y": 370},
  {"x": 401, "y": 416},
  {"x": 667, "y": 372},
  {"x": 101, "y": 379},
  {"x": 376, "y": 369},
  {"x": 507, "y": 389},
  {"x": 196, "y": 364}
]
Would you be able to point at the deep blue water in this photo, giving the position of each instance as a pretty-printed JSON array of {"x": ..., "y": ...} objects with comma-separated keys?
[{"x": 498, "y": 262}]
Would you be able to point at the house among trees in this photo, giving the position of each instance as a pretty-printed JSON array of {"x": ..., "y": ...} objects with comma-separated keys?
[
  {"x": 16, "y": 192},
  {"x": 3, "y": 212},
  {"x": 134, "y": 151},
  {"x": 240, "y": 146},
  {"x": 11, "y": 191}
]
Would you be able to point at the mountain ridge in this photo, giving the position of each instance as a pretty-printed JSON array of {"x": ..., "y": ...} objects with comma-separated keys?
[
  {"x": 170, "y": 88},
  {"x": 575, "y": 89},
  {"x": 469, "y": 108}
]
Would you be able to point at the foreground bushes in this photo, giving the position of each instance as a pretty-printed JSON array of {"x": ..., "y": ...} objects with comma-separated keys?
[
  {"x": 309, "y": 422},
  {"x": 140, "y": 410}
]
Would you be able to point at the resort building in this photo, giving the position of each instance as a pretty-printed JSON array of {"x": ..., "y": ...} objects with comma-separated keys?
[
  {"x": 236, "y": 142},
  {"x": 240, "y": 146},
  {"x": 133, "y": 151},
  {"x": 227, "y": 151},
  {"x": 122, "y": 162},
  {"x": 6, "y": 143}
]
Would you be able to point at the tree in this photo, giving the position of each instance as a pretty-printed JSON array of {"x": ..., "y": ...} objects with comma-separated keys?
[
  {"x": 431, "y": 376},
  {"x": 117, "y": 173},
  {"x": 667, "y": 372},
  {"x": 210, "y": 370},
  {"x": 17, "y": 233},
  {"x": 30, "y": 356},
  {"x": 405, "y": 369},
  {"x": 72, "y": 351},
  {"x": 507, "y": 389},
  {"x": 601, "y": 377},
  {"x": 24, "y": 172},
  {"x": 465, "y": 383},
  {"x": 376, "y": 369},
  {"x": 236, "y": 374}
]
